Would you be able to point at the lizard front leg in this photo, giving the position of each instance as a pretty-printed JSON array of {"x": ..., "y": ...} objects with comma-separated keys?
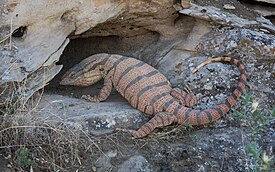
[
  {"x": 104, "y": 92},
  {"x": 159, "y": 120}
]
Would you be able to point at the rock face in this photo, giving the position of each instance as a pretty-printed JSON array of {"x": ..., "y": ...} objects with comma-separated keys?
[
  {"x": 33, "y": 38},
  {"x": 267, "y": 1}
]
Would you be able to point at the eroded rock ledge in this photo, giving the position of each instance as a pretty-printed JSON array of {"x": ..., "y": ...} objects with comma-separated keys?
[{"x": 33, "y": 38}]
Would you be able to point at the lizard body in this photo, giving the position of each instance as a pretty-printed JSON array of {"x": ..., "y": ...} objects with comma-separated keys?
[{"x": 149, "y": 91}]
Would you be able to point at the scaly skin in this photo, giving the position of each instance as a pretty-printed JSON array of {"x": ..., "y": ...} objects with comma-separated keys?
[{"x": 148, "y": 90}]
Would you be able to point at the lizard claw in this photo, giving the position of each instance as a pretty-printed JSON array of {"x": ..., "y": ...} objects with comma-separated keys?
[
  {"x": 187, "y": 89},
  {"x": 89, "y": 98},
  {"x": 121, "y": 129},
  {"x": 128, "y": 131}
]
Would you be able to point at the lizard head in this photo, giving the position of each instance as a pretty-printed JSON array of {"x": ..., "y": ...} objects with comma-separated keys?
[{"x": 87, "y": 72}]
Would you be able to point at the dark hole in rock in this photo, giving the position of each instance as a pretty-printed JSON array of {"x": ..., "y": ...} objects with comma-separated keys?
[
  {"x": 203, "y": 10},
  {"x": 19, "y": 32},
  {"x": 271, "y": 18}
]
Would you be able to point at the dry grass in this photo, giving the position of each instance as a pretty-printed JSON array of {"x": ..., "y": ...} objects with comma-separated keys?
[{"x": 38, "y": 144}]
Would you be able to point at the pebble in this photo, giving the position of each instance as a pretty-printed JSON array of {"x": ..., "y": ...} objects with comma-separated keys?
[
  {"x": 229, "y": 7},
  {"x": 208, "y": 86}
]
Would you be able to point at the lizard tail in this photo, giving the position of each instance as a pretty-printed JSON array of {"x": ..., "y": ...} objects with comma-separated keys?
[{"x": 197, "y": 117}]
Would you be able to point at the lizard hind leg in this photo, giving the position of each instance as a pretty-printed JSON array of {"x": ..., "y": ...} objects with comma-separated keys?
[
  {"x": 185, "y": 97},
  {"x": 159, "y": 120}
]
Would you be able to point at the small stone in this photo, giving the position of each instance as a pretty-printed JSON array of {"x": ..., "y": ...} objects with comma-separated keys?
[
  {"x": 177, "y": 7},
  {"x": 229, "y": 7},
  {"x": 208, "y": 86},
  {"x": 136, "y": 163},
  {"x": 186, "y": 4},
  {"x": 103, "y": 162}
]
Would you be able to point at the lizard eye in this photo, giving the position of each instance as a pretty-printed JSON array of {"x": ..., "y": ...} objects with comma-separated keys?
[{"x": 101, "y": 69}]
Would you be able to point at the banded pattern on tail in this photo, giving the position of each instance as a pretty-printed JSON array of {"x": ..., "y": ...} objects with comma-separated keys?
[{"x": 196, "y": 117}]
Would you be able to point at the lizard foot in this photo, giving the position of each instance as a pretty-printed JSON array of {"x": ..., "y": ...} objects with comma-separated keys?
[
  {"x": 90, "y": 98},
  {"x": 185, "y": 97}
]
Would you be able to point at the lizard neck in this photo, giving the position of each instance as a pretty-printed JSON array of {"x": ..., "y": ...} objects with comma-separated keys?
[{"x": 111, "y": 61}]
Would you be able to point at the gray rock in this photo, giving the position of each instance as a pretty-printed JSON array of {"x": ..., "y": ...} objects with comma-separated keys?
[
  {"x": 251, "y": 43},
  {"x": 95, "y": 118},
  {"x": 103, "y": 163},
  {"x": 136, "y": 163},
  {"x": 213, "y": 14}
]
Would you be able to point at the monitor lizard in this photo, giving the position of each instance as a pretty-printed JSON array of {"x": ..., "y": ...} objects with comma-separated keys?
[{"x": 149, "y": 91}]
